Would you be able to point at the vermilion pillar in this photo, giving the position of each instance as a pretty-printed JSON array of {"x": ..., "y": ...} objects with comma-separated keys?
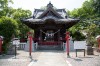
[
  {"x": 98, "y": 42},
  {"x": 0, "y": 45},
  {"x": 30, "y": 38},
  {"x": 67, "y": 42}
]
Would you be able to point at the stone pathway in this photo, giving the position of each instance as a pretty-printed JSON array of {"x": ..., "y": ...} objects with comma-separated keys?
[
  {"x": 22, "y": 59},
  {"x": 14, "y": 62},
  {"x": 88, "y": 60},
  {"x": 50, "y": 58}
]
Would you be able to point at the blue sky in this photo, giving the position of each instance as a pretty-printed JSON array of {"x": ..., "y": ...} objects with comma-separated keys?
[{"x": 32, "y": 4}]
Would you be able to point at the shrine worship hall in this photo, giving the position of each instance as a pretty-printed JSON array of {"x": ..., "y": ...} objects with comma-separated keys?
[{"x": 49, "y": 26}]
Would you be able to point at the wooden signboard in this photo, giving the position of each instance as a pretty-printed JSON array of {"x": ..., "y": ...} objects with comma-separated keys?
[{"x": 79, "y": 45}]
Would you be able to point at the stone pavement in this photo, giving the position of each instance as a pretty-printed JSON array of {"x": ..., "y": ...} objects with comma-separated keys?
[
  {"x": 88, "y": 60},
  {"x": 22, "y": 59},
  {"x": 50, "y": 58}
]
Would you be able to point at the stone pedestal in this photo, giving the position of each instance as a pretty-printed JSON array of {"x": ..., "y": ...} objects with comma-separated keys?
[
  {"x": 71, "y": 46},
  {"x": 27, "y": 46}
]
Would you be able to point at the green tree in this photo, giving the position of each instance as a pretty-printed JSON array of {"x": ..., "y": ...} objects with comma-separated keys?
[
  {"x": 19, "y": 14},
  {"x": 10, "y": 21},
  {"x": 96, "y": 6},
  {"x": 4, "y": 8},
  {"x": 89, "y": 24},
  {"x": 91, "y": 31},
  {"x": 88, "y": 15},
  {"x": 8, "y": 27}
]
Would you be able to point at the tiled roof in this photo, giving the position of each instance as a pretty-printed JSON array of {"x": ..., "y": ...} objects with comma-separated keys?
[{"x": 58, "y": 15}]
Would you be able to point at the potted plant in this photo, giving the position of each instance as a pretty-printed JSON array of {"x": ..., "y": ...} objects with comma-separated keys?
[
  {"x": 90, "y": 35},
  {"x": 90, "y": 44}
]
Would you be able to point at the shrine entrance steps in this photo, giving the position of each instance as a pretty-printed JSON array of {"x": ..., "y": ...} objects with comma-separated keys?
[{"x": 49, "y": 47}]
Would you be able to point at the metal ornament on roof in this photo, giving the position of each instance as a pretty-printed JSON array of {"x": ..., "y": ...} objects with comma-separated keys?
[{"x": 49, "y": 5}]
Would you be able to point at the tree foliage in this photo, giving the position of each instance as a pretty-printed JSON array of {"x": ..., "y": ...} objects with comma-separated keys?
[
  {"x": 8, "y": 27},
  {"x": 18, "y": 15},
  {"x": 4, "y": 8},
  {"x": 10, "y": 24},
  {"x": 89, "y": 15}
]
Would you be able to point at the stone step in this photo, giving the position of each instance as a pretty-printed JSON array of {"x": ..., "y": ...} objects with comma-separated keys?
[{"x": 49, "y": 47}]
